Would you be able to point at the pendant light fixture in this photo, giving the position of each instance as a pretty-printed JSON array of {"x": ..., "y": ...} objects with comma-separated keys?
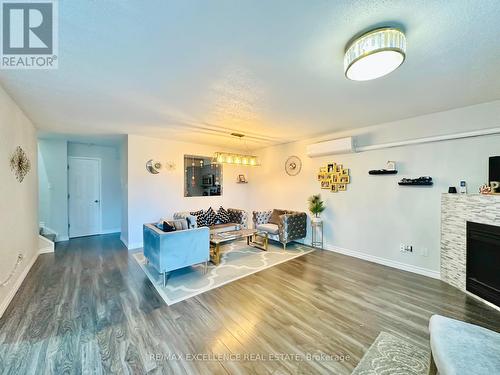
[
  {"x": 236, "y": 159},
  {"x": 375, "y": 54}
]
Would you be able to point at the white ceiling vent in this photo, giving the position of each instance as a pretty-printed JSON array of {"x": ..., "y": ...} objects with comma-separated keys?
[{"x": 335, "y": 146}]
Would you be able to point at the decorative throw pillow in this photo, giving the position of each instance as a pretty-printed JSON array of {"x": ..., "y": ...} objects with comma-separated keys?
[
  {"x": 210, "y": 217},
  {"x": 168, "y": 227},
  {"x": 223, "y": 216},
  {"x": 275, "y": 216},
  {"x": 200, "y": 218}
]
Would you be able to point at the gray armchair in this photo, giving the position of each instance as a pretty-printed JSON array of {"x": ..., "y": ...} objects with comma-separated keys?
[{"x": 281, "y": 225}]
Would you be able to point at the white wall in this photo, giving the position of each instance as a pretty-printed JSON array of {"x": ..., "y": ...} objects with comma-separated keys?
[
  {"x": 124, "y": 189},
  {"x": 151, "y": 197},
  {"x": 53, "y": 183},
  {"x": 53, "y": 186},
  {"x": 111, "y": 191},
  {"x": 371, "y": 219},
  {"x": 375, "y": 215},
  {"x": 18, "y": 201}
]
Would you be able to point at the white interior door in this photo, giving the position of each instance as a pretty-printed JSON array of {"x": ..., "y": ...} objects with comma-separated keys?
[{"x": 84, "y": 188}]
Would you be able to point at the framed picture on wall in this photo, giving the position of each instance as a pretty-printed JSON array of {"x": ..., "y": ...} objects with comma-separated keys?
[
  {"x": 323, "y": 170},
  {"x": 325, "y": 184},
  {"x": 345, "y": 172},
  {"x": 342, "y": 187},
  {"x": 334, "y": 188},
  {"x": 331, "y": 168},
  {"x": 344, "y": 179}
]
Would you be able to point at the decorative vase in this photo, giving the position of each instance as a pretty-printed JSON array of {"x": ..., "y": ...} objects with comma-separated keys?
[{"x": 315, "y": 219}]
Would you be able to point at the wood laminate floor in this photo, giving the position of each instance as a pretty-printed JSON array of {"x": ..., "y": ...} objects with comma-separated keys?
[{"x": 88, "y": 308}]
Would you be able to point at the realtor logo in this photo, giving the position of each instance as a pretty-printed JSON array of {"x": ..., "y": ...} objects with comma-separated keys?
[{"x": 29, "y": 34}]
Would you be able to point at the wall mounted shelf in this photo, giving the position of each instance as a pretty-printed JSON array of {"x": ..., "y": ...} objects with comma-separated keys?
[
  {"x": 415, "y": 183},
  {"x": 421, "y": 181},
  {"x": 382, "y": 171}
]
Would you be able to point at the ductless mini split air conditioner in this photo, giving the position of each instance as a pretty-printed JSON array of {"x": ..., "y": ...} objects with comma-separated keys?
[{"x": 335, "y": 146}]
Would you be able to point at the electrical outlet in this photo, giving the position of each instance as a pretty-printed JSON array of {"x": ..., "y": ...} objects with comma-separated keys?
[
  {"x": 406, "y": 248},
  {"x": 425, "y": 252}
]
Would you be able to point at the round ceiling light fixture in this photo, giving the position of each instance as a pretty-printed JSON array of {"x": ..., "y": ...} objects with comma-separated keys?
[{"x": 375, "y": 54}]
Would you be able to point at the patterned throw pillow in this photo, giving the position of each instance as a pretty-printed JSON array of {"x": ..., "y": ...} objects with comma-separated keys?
[
  {"x": 223, "y": 216},
  {"x": 200, "y": 218},
  {"x": 210, "y": 217}
]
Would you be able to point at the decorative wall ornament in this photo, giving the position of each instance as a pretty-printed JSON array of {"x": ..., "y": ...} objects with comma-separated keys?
[
  {"x": 170, "y": 166},
  {"x": 20, "y": 164},
  {"x": 334, "y": 177},
  {"x": 293, "y": 165},
  {"x": 242, "y": 179},
  {"x": 153, "y": 167}
]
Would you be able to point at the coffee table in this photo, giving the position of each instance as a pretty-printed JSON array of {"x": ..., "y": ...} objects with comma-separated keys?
[{"x": 254, "y": 238}]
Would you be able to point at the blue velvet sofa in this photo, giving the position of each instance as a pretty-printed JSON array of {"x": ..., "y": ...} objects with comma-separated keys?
[{"x": 170, "y": 251}]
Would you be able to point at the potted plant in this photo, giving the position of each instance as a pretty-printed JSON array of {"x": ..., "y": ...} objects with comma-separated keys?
[{"x": 316, "y": 207}]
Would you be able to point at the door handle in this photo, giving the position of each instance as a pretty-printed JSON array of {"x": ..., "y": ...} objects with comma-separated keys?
[{"x": 96, "y": 201}]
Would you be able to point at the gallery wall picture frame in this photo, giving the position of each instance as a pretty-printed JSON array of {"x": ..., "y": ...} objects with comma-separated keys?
[
  {"x": 325, "y": 184},
  {"x": 334, "y": 177}
]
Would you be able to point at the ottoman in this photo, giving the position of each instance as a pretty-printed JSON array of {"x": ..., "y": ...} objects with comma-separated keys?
[{"x": 462, "y": 348}]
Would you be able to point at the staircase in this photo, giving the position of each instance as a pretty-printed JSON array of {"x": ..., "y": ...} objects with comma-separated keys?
[{"x": 48, "y": 235}]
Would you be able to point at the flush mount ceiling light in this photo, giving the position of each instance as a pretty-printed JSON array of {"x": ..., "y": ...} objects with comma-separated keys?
[{"x": 374, "y": 54}]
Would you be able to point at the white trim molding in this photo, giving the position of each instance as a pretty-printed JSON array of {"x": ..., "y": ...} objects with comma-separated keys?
[
  {"x": 135, "y": 246},
  {"x": 386, "y": 262},
  {"x": 19, "y": 281},
  {"x": 110, "y": 231},
  {"x": 45, "y": 245}
]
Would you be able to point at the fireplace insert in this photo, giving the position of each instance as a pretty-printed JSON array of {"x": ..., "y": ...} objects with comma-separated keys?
[{"x": 483, "y": 261}]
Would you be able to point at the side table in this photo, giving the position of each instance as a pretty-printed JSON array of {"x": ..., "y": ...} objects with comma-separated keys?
[{"x": 317, "y": 234}]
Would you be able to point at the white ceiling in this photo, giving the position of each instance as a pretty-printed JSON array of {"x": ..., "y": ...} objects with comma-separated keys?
[{"x": 270, "y": 69}]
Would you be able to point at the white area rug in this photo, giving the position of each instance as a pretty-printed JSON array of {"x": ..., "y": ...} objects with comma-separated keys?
[
  {"x": 237, "y": 261},
  {"x": 391, "y": 355}
]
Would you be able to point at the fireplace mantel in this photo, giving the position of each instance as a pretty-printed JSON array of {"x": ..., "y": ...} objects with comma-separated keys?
[{"x": 456, "y": 210}]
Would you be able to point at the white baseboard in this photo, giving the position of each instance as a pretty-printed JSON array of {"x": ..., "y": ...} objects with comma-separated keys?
[
  {"x": 17, "y": 284},
  {"x": 124, "y": 241},
  {"x": 386, "y": 262},
  {"x": 109, "y": 231},
  {"x": 45, "y": 245},
  {"x": 134, "y": 246},
  {"x": 131, "y": 246},
  {"x": 46, "y": 250}
]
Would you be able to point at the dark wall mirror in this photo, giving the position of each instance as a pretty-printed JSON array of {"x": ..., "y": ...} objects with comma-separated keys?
[{"x": 202, "y": 177}]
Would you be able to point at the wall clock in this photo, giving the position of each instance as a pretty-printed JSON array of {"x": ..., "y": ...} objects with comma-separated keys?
[{"x": 293, "y": 165}]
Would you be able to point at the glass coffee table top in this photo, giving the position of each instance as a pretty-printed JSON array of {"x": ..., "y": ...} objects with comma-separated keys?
[{"x": 219, "y": 238}]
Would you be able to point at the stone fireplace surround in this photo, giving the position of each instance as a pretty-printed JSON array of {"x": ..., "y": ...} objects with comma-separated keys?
[{"x": 456, "y": 210}]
